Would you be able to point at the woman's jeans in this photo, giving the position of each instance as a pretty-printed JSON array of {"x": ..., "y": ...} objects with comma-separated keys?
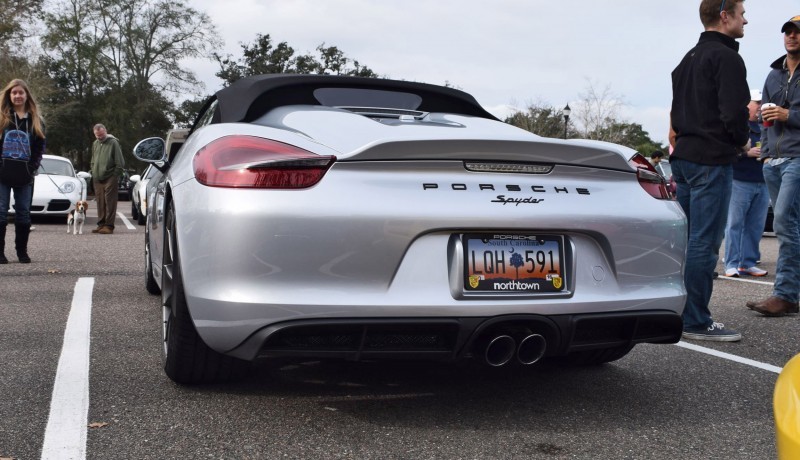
[
  {"x": 22, "y": 203},
  {"x": 746, "y": 218},
  {"x": 783, "y": 183},
  {"x": 704, "y": 193}
]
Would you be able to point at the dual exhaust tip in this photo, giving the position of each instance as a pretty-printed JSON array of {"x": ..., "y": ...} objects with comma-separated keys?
[{"x": 502, "y": 349}]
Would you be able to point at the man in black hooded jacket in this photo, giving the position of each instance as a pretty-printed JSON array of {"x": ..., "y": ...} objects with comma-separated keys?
[{"x": 709, "y": 115}]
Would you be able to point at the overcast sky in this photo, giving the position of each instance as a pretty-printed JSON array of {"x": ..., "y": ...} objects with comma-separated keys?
[{"x": 507, "y": 52}]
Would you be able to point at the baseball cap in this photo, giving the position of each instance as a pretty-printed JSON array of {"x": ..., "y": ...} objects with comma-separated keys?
[
  {"x": 755, "y": 95},
  {"x": 795, "y": 21}
]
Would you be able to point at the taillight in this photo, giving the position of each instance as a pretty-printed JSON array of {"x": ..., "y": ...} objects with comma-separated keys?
[
  {"x": 253, "y": 162},
  {"x": 651, "y": 181}
]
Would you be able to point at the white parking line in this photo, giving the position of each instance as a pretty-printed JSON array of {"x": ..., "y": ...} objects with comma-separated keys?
[
  {"x": 65, "y": 435},
  {"x": 126, "y": 221},
  {"x": 745, "y": 280},
  {"x": 728, "y": 356}
]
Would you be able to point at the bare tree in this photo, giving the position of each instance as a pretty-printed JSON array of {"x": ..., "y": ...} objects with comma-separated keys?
[
  {"x": 17, "y": 18},
  {"x": 598, "y": 114},
  {"x": 540, "y": 118},
  {"x": 148, "y": 38},
  {"x": 18, "y": 22},
  {"x": 263, "y": 56},
  {"x": 114, "y": 60}
]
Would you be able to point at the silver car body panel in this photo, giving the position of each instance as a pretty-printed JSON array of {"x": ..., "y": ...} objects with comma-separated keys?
[{"x": 375, "y": 239}]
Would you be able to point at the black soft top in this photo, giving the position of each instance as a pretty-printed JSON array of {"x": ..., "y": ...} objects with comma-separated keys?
[{"x": 248, "y": 98}]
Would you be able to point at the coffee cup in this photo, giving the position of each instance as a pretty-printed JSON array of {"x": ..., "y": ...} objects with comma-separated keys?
[{"x": 767, "y": 123}]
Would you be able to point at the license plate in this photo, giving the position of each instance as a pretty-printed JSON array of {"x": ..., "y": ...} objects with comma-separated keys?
[{"x": 513, "y": 263}]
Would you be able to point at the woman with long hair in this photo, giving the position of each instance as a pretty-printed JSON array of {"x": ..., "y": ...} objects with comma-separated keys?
[{"x": 21, "y": 148}]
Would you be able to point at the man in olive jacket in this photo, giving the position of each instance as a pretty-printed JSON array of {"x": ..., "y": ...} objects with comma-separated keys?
[{"x": 107, "y": 165}]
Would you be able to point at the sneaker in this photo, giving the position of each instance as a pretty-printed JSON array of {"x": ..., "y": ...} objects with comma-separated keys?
[
  {"x": 752, "y": 271},
  {"x": 715, "y": 275},
  {"x": 717, "y": 332},
  {"x": 732, "y": 273}
]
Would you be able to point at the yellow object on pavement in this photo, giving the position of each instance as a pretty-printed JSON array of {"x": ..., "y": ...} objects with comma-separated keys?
[{"x": 786, "y": 404}]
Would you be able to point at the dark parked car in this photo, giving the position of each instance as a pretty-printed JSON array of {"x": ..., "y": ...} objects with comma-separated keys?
[{"x": 125, "y": 186}]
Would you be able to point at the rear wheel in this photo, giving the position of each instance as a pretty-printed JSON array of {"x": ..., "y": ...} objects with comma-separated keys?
[
  {"x": 187, "y": 359},
  {"x": 149, "y": 280}
]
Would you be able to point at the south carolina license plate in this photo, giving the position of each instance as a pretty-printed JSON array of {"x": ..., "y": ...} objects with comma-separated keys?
[{"x": 513, "y": 263}]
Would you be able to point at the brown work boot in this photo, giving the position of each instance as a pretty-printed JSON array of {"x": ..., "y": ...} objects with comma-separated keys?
[
  {"x": 106, "y": 230},
  {"x": 773, "y": 306},
  {"x": 97, "y": 229}
]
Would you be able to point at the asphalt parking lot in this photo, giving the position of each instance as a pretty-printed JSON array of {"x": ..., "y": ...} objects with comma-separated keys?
[{"x": 690, "y": 401}]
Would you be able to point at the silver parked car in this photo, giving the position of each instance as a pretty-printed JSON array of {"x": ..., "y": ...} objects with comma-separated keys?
[
  {"x": 328, "y": 216},
  {"x": 665, "y": 169},
  {"x": 140, "y": 191}
]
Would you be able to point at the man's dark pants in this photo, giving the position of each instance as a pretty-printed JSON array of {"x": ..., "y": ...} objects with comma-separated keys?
[
  {"x": 106, "y": 193},
  {"x": 704, "y": 193}
]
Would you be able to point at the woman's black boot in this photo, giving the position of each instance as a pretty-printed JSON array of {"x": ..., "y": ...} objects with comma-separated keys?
[
  {"x": 3, "y": 227},
  {"x": 21, "y": 241}
]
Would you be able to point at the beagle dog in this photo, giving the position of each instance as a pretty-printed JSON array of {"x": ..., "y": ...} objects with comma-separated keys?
[{"x": 77, "y": 217}]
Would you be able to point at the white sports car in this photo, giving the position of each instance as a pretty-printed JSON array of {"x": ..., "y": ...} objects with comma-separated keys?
[
  {"x": 327, "y": 216},
  {"x": 57, "y": 187}
]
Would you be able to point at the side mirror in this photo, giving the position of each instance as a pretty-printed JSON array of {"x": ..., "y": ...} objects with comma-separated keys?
[
  {"x": 84, "y": 175},
  {"x": 150, "y": 150},
  {"x": 136, "y": 178}
]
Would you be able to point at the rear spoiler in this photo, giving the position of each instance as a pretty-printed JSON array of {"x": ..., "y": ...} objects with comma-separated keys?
[{"x": 542, "y": 150}]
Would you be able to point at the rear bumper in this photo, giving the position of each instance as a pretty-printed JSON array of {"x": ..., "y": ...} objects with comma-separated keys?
[{"x": 455, "y": 338}]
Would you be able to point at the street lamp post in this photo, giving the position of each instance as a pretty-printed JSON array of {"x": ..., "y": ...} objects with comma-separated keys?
[{"x": 566, "y": 112}]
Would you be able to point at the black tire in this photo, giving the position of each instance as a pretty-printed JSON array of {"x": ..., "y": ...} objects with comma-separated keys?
[
  {"x": 187, "y": 359},
  {"x": 141, "y": 219},
  {"x": 134, "y": 211},
  {"x": 599, "y": 356},
  {"x": 149, "y": 280}
]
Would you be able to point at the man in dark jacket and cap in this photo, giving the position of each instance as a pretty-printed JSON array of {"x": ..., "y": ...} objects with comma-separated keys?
[
  {"x": 780, "y": 150},
  {"x": 709, "y": 115}
]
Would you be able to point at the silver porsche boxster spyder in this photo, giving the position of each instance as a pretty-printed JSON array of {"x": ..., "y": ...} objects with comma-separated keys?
[{"x": 318, "y": 216}]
